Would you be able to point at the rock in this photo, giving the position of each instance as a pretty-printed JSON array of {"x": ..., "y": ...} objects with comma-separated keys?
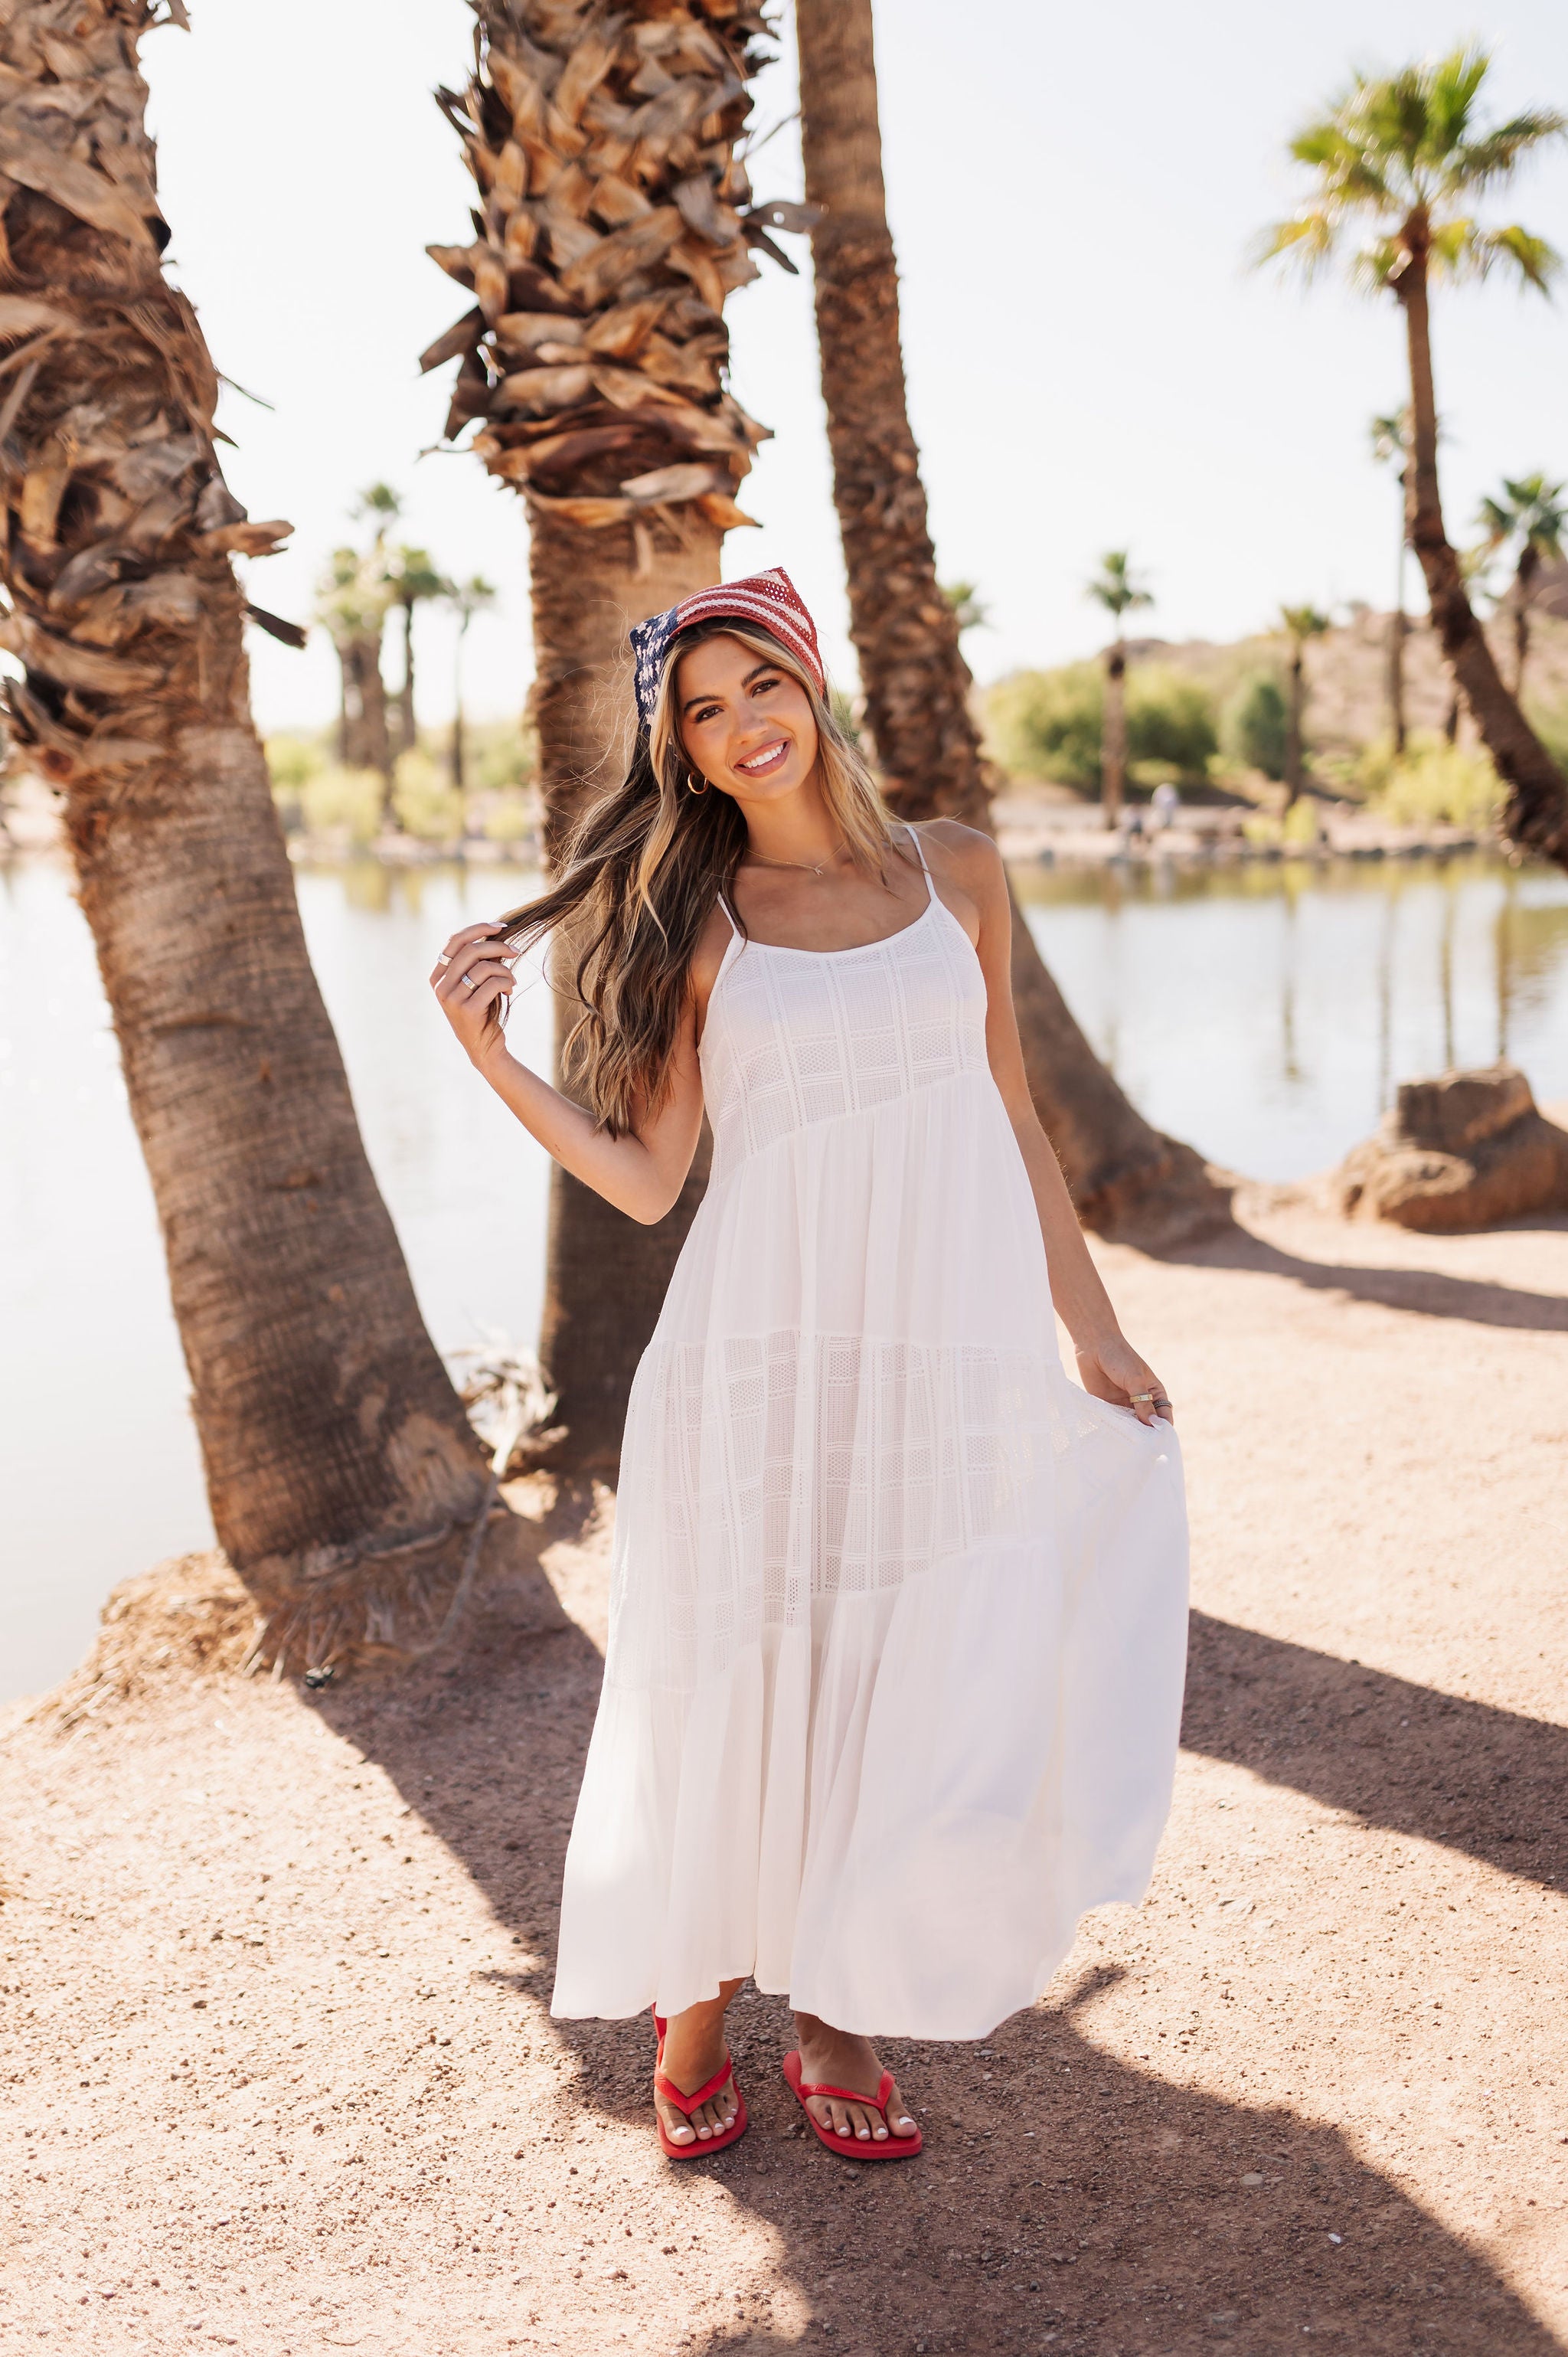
[{"x": 1463, "y": 1151}]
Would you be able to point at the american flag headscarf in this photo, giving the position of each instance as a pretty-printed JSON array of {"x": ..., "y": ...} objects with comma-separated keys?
[{"x": 769, "y": 599}]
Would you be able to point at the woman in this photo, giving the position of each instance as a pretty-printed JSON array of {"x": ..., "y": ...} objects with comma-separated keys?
[{"x": 897, "y": 1611}]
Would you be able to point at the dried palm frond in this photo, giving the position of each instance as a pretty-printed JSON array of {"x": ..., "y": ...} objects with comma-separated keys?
[
  {"x": 123, "y": 526},
  {"x": 614, "y": 217}
]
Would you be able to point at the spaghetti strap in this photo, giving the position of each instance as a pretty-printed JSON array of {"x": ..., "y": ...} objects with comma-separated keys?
[{"x": 920, "y": 855}]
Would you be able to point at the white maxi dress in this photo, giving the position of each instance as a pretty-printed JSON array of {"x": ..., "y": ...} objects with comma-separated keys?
[{"x": 898, "y": 1612}]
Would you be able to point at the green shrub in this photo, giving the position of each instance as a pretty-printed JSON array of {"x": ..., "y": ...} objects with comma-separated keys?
[
  {"x": 1550, "y": 725},
  {"x": 1253, "y": 730},
  {"x": 1170, "y": 724},
  {"x": 423, "y": 800},
  {"x": 497, "y": 754},
  {"x": 504, "y": 817},
  {"x": 1047, "y": 724},
  {"x": 292, "y": 762},
  {"x": 342, "y": 801},
  {"x": 1434, "y": 783}
]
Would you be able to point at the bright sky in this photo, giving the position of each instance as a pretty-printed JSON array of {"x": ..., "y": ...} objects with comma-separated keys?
[{"x": 1092, "y": 364}]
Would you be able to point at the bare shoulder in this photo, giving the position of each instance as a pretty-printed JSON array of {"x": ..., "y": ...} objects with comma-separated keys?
[
  {"x": 964, "y": 853},
  {"x": 968, "y": 871}
]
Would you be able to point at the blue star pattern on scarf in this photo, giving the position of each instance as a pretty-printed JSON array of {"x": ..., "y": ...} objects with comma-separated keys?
[{"x": 650, "y": 643}]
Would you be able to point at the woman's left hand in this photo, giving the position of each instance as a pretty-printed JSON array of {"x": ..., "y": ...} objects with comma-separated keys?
[{"x": 1113, "y": 1370}]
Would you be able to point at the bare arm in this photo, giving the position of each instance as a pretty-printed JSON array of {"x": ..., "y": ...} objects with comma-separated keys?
[
  {"x": 641, "y": 1173},
  {"x": 971, "y": 870}
]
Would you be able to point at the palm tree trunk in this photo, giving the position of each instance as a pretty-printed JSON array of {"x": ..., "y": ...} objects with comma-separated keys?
[
  {"x": 1399, "y": 625},
  {"x": 606, "y": 1275},
  {"x": 1293, "y": 777},
  {"x": 339, "y": 1464},
  {"x": 1529, "y": 566},
  {"x": 1536, "y": 816},
  {"x": 1125, "y": 1177},
  {"x": 1113, "y": 738},
  {"x": 345, "y": 711},
  {"x": 375, "y": 735},
  {"x": 407, "y": 726}
]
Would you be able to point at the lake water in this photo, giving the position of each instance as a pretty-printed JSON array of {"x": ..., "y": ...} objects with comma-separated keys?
[{"x": 1265, "y": 1014}]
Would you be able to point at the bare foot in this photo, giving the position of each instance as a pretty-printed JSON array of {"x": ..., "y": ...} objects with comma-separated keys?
[
  {"x": 693, "y": 2050},
  {"x": 831, "y": 2057}
]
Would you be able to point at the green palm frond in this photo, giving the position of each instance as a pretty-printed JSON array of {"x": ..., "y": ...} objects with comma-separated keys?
[
  {"x": 1349, "y": 162},
  {"x": 1448, "y": 93},
  {"x": 1376, "y": 264},
  {"x": 1305, "y": 241},
  {"x": 1390, "y": 437},
  {"x": 1531, "y": 513},
  {"x": 1116, "y": 587},
  {"x": 1477, "y": 163},
  {"x": 1304, "y": 622},
  {"x": 1538, "y": 262}
]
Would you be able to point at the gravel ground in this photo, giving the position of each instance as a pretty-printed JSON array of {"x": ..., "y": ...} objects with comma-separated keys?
[{"x": 275, "y": 1966}]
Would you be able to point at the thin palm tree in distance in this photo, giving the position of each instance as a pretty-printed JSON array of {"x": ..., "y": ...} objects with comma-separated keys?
[
  {"x": 1115, "y": 588},
  {"x": 1531, "y": 518},
  {"x": 1401, "y": 163},
  {"x": 1299, "y": 624},
  {"x": 414, "y": 581},
  {"x": 1391, "y": 448},
  {"x": 466, "y": 598}
]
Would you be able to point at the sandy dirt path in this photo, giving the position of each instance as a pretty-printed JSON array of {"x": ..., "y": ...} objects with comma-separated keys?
[{"x": 281, "y": 2077}]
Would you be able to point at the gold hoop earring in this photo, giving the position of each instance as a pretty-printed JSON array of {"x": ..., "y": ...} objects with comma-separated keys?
[{"x": 692, "y": 785}]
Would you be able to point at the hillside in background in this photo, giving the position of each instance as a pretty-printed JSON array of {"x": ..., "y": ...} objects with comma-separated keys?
[
  {"x": 1347, "y": 673},
  {"x": 1346, "y": 707}
]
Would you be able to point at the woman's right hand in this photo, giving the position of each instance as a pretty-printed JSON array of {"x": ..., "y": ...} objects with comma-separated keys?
[{"x": 473, "y": 983}]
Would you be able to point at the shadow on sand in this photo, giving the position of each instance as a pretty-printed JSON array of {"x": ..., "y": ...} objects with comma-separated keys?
[
  {"x": 1424, "y": 1293},
  {"x": 1067, "y": 2200}
]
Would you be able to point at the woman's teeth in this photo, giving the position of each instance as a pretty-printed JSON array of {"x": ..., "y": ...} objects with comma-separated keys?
[{"x": 765, "y": 759}]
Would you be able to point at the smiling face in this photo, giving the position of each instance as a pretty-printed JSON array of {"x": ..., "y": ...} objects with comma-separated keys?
[{"x": 746, "y": 723}]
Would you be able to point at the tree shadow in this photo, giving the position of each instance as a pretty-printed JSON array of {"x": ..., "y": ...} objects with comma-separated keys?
[
  {"x": 1485, "y": 1782},
  {"x": 1424, "y": 1293},
  {"x": 1069, "y": 2201}
]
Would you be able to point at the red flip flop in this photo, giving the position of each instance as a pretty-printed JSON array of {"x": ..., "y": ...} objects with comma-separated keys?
[
  {"x": 850, "y": 2148},
  {"x": 687, "y": 2104}
]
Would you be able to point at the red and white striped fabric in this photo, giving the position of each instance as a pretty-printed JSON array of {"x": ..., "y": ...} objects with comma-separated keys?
[{"x": 770, "y": 600}]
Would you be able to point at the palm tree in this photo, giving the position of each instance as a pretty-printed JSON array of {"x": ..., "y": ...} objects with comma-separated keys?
[
  {"x": 1531, "y": 517},
  {"x": 414, "y": 581},
  {"x": 351, "y": 605},
  {"x": 467, "y": 598},
  {"x": 1125, "y": 1175},
  {"x": 1405, "y": 158},
  {"x": 614, "y": 217},
  {"x": 1391, "y": 441},
  {"x": 339, "y": 1465},
  {"x": 1114, "y": 588},
  {"x": 1299, "y": 624}
]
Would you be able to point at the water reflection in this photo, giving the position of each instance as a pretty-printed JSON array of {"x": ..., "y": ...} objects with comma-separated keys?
[
  {"x": 1264, "y": 1013},
  {"x": 1269, "y": 1013}
]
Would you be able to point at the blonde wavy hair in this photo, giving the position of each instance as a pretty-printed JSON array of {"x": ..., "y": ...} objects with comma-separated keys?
[{"x": 640, "y": 875}]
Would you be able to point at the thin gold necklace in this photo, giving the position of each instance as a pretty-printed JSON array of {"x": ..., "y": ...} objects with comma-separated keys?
[{"x": 760, "y": 859}]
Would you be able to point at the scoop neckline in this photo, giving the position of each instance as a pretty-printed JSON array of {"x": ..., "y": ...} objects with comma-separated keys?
[{"x": 852, "y": 949}]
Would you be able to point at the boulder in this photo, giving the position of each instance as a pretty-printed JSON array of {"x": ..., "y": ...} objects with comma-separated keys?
[{"x": 1462, "y": 1151}]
